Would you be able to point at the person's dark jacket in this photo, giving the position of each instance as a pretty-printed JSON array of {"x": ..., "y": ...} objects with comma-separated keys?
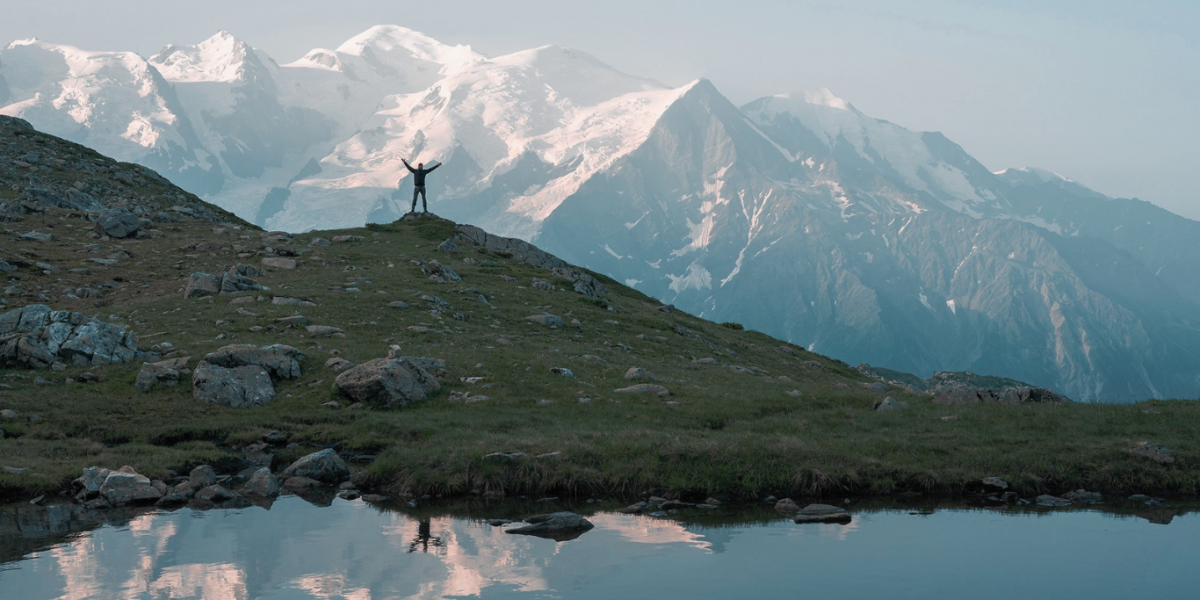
[{"x": 419, "y": 174}]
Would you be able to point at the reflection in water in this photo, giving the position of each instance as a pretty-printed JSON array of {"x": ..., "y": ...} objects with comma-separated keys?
[{"x": 353, "y": 551}]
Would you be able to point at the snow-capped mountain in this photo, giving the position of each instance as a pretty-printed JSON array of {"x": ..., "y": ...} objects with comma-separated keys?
[{"x": 795, "y": 214}]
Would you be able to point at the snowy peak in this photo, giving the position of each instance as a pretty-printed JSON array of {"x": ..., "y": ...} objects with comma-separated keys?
[
  {"x": 220, "y": 58},
  {"x": 821, "y": 97},
  {"x": 397, "y": 41}
]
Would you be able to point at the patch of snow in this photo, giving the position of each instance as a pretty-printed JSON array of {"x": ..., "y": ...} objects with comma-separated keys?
[{"x": 697, "y": 277}]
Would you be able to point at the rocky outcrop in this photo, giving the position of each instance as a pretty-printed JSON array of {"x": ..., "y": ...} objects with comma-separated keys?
[
  {"x": 581, "y": 282},
  {"x": 387, "y": 382},
  {"x": 240, "y": 387},
  {"x": 324, "y": 466},
  {"x": 35, "y": 336},
  {"x": 440, "y": 272}
]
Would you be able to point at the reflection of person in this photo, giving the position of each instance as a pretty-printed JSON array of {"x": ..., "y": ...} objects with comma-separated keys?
[{"x": 419, "y": 174}]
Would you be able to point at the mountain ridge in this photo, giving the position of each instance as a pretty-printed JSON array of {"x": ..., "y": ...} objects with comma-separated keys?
[{"x": 527, "y": 159}]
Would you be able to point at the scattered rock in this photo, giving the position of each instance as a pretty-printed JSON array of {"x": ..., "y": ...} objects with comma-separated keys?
[
  {"x": 276, "y": 262},
  {"x": 1084, "y": 497},
  {"x": 547, "y": 320},
  {"x": 240, "y": 387},
  {"x": 387, "y": 382},
  {"x": 538, "y": 283},
  {"x": 705, "y": 361},
  {"x": 787, "y": 505},
  {"x": 37, "y": 236},
  {"x": 634, "y": 509},
  {"x": 338, "y": 364},
  {"x": 263, "y": 484},
  {"x": 448, "y": 247},
  {"x": 324, "y": 466},
  {"x": 118, "y": 223},
  {"x": 202, "y": 284},
  {"x": 398, "y": 304},
  {"x": 346, "y": 239},
  {"x": 202, "y": 477},
  {"x": 323, "y": 330},
  {"x": 636, "y": 374},
  {"x": 644, "y": 388},
  {"x": 565, "y": 372},
  {"x": 1052, "y": 501},
  {"x": 282, "y": 301},
  {"x": 165, "y": 373},
  {"x": 296, "y": 320},
  {"x": 437, "y": 270},
  {"x": 319, "y": 242},
  {"x": 1156, "y": 452},
  {"x": 301, "y": 483},
  {"x": 215, "y": 494}
]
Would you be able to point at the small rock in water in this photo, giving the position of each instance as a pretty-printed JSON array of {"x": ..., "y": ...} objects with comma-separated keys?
[
  {"x": 787, "y": 505},
  {"x": 822, "y": 513},
  {"x": 1051, "y": 501}
]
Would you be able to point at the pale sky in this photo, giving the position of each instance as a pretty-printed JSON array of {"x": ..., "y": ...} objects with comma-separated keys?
[{"x": 1104, "y": 92}]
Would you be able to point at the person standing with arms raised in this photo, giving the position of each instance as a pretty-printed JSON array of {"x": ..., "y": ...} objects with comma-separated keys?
[{"x": 419, "y": 174}]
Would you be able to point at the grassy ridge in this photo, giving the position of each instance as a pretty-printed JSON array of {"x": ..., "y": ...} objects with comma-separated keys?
[{"x": 721, "y": 430}]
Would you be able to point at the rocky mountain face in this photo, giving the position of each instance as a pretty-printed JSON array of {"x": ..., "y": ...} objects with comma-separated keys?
[{"x": 797, "y": 214}]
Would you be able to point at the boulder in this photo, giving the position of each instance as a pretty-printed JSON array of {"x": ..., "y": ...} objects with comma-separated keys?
[
  {"x": 636, "y": 374},
  {"x": 215, "y": 494},
  {"x": 90, "y": 482},
  {"x": 538, "y": 283},
  {"x": 387, "y": 382},
  {"x": 279, "y": 360},
  {"x": 282, "y": 301},
  {"x": 994, "y": 484},
  {"x": 241, "y": 387},
  {"x": 324, "y": 466},
  {"x": 165, "y": 373},
  {"x": 121, "y": 488},
  {"x": 202, "y": 477},
  {"x": 448, "y": 247},
  {"x": 547, "y": 320},
  {"x": 1052, "y": 501},
  {"x": 263, "y": 484},
  {"x": 338, "y": 364},
  {"x": 233, "y": 281},
  {"x": 202, "y": 284},
  {"x": 559, "y": 526},
  {"x": 118, "y": 223},
  {"x": 301, "y": 483},
  {"x": 276, "y": 262},
  {"x": 323, "y": 330},
  {"x": 435, "y": 269},
  {"x": 644, "y": 388}
]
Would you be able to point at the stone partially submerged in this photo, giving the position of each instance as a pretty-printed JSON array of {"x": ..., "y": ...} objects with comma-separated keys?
[
  {"x": 822, "y": 513},
  {"x": 324, "y": 466},
  {"x": 560, "y": 526},
  {"x": 387, "y": 382}
]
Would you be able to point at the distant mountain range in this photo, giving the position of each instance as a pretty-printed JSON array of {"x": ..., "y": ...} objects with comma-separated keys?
[{"x": 796, "y": 214}]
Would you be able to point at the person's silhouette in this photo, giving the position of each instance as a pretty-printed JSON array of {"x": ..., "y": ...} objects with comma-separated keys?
[{"x": 419, "y": 174}]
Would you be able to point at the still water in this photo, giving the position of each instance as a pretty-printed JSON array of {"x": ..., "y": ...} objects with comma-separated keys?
[{"x": 354, "y": 551}]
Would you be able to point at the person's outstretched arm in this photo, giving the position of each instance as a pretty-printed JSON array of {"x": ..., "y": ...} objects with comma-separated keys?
[
  {"x": 430, "y": 169},
  {"x": 408, "y": 166}
]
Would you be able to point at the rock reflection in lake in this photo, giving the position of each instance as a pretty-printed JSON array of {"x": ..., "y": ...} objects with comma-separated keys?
[{"x": 355, "y": 551}]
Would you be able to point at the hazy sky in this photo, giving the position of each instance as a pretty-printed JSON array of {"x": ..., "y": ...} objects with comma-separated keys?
[{"x": 1105, "y": 92}]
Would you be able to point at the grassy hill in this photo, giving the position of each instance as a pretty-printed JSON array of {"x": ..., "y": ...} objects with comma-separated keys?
[{"x": 747, "y": 415}]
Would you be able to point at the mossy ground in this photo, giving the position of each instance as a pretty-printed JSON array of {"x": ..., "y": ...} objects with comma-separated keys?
[{"x": 721, "y": 431}]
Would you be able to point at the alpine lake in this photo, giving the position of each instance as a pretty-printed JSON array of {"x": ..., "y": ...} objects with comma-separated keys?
[{"x": 329, "y": 548}]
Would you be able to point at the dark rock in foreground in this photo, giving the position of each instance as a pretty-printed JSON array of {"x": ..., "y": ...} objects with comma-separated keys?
[{"x": 238, "y": 388}]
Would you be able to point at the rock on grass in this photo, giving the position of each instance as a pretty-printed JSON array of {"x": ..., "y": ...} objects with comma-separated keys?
[
  {"x": 644, "y": 388},
  {"x": 387, "y": 382},
  {"x": 324, "y": 466},
  {"x": 238, "y": 388}
]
